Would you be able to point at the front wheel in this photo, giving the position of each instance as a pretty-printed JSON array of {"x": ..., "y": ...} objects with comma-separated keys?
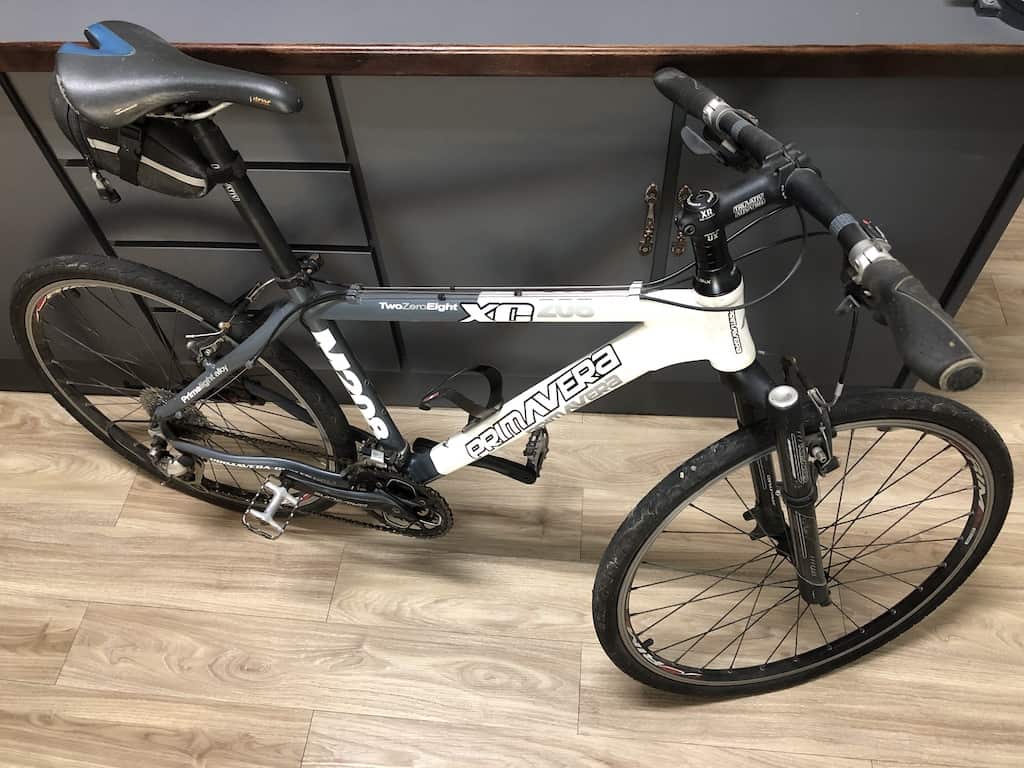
[{"x": 687, "y": 600}]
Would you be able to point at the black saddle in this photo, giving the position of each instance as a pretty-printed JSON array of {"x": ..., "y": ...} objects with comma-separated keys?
[{"x": 129, "y": 72}]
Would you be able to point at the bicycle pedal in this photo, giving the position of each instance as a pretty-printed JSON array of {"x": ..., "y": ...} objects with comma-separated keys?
[
  {"x": 537, "y": 449},
  {"x": 263, "y": 521}
]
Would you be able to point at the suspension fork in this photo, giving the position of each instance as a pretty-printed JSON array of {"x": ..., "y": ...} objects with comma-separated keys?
[
  {"x": 750, "y": 388},
  {"x": 753, "y": 391},
  {"x": 799, "y": 492}
]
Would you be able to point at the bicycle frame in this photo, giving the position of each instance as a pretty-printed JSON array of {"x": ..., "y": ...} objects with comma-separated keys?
[{"x": 663, "y": 335}]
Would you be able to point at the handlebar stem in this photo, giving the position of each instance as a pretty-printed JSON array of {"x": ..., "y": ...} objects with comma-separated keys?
[{"x": 716, "y": 275}]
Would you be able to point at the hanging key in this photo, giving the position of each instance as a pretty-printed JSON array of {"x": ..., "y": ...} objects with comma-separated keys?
[
  {"x": 647, "y": 238},
  {"x": 679, "y": 239}
]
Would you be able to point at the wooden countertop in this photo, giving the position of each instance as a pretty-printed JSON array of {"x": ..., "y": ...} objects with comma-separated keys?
[
  {"x": 630, "y": 38},
  {"x": 878, "y": 60}
]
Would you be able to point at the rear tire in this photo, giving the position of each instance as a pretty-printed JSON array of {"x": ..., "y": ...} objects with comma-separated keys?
[{"x": 36, "y": 287}]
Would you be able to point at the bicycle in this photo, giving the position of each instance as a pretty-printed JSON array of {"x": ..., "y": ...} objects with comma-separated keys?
[{"x": 734, "y": 574}]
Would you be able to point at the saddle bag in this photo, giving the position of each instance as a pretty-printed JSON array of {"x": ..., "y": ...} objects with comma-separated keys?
[{"x": 154, "y": 153}]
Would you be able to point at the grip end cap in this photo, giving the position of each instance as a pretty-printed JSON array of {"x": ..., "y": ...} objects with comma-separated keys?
[{"x": 962, "y": 375}]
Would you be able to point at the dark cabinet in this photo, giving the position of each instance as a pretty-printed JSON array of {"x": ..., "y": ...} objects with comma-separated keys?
[{"x": 509, "y": 181}]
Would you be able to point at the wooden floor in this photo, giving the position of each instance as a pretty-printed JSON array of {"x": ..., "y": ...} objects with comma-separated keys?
[{"x": 139, "y": 627}]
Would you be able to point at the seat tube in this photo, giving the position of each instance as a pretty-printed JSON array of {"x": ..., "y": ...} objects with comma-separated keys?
[
  {"x": 335, "y": 348},
  {"x": 250, "y": 206}
]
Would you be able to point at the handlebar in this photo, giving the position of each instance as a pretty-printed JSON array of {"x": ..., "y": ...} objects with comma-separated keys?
[{"x": 931, "y": 345}]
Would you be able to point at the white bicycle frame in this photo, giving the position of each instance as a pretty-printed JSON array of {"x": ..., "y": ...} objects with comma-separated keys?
[
  {"x": 664, "y": 335},
  {"x": 703, "y": 328}
]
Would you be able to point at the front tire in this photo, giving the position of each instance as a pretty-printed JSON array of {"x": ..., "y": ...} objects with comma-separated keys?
[{"x": 653, "y": 626}]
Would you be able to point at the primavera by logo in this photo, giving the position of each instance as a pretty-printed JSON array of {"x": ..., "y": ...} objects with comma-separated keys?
[{"x": 582, "y": 382}]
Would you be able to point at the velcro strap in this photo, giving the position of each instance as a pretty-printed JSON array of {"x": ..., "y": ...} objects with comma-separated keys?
[{"x": 129, "y": 153}]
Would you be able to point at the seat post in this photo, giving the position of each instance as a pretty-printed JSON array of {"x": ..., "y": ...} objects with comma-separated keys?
[{"x": 220, "y": 154}]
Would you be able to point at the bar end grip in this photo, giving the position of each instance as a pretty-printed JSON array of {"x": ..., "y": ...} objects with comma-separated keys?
[{"x": 930, "y": 342}]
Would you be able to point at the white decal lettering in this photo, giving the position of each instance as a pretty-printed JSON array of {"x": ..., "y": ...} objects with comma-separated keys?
[
  {"x": 582, "y": 382},
  {"x": 339, "y": 362}
]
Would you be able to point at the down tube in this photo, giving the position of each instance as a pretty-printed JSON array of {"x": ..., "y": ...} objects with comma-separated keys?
[{"x": 639, "y": 350}]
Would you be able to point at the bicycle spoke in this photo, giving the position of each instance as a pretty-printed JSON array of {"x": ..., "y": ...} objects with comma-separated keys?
[
  {"x": 901, "y": 518},
  {"x": 910, "y": 504},
  {"x": 856, "y": 592},
  {"x": 784, "y": 599},
  {"x": 883, "y": 575},
  {"x": 690, "y": 574},
  {"x": 890, "y": 485},
  {"x": 799, "y": 615},
  {"x": 733, "y": 487},
  {"x": 106, "y": 358},
  {"x": 839, "y": 607},
  {"x": 849, "y": 469},
  {"x": 864, "y": 504},
  {"x": 818, "y": 624},
  {"x": 703, "y": 591},
  {"x": 134, "y": 327},
  {"x": 755, "y": 584},
  {"x": 839, "y": 505}
]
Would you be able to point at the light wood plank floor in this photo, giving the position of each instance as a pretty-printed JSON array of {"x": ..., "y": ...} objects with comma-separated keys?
[{"x": 139, "y": 627}]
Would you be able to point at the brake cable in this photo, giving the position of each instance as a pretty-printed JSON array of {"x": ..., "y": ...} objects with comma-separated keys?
[{"x": 803, "y": 237}]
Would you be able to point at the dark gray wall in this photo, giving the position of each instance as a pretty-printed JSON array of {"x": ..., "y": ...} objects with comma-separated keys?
[
  {"x": 559, "y": 22},
  {"x": 511, "y": 181},
  {"x": 539, "y": 181}
]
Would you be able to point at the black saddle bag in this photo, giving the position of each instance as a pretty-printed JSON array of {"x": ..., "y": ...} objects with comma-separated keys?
[{"x": 155, "y": 153}]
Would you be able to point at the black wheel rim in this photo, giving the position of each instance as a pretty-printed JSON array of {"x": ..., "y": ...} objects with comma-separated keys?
[
  {"x": 112, "y": 350},
  {"x": 742, "y": 620}
]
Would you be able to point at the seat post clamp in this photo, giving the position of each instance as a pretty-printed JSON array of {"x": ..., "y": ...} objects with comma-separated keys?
[
  {"x": 223, "y": 173},
  {"x": 300, "y": 278}
]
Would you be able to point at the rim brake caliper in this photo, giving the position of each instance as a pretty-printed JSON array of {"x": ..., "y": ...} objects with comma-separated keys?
[{"x": 820, "y": 445}]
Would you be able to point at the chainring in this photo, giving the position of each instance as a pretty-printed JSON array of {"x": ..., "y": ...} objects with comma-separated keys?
[{"x": 435, "y": 516}]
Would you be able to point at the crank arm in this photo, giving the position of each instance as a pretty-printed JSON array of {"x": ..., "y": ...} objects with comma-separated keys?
[{"x": 377, "y": 501}]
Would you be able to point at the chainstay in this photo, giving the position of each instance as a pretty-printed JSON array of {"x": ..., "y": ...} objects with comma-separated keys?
[{"x": 436, "y": 500}]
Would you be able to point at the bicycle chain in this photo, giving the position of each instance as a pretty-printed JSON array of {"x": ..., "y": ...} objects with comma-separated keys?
[{"x": 435, "y": 501}]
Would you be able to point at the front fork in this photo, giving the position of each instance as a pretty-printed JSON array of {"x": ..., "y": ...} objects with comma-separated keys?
[
  {"x": 799, "y": 493},
  {"x": 798, "y": 541}
]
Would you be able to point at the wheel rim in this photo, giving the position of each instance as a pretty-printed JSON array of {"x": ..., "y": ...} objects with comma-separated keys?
[
  {"x": 741, "y": 620},
  {"x": 70, "y": 327}
]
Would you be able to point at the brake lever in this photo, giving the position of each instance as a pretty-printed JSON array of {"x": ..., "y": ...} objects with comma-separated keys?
[{"x": 707, "y": 143}]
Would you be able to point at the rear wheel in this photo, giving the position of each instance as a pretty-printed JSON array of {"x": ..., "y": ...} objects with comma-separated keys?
[
  {"x": 108, "y": 338},
  {"x": 686, "y": 600}
]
